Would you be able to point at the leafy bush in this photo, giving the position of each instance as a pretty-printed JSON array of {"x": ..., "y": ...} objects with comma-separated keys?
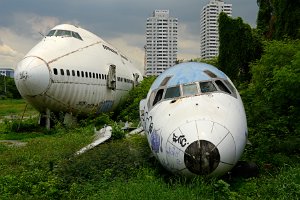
[
  {"x": 129, "y": 109},
  {"x": 272, "y": 100}
]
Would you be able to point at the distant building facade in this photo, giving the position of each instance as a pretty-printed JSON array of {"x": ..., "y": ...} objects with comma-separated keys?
[
  {"x": 209, "y": 33},
  {"x": 161, "y": 42},
  {"x": 9, "y": 72}
]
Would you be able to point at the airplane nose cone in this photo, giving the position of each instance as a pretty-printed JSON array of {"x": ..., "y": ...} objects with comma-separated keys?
[
  {"x": 32, "y": 76},
  {"x": 201, "y": 147},
  {"x": 201, "y": 157}
]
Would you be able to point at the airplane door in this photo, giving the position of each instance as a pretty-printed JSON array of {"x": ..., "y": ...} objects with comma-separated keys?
[
  {"x": 111, "y": 79},
  {"x": 136, "y": 79}
]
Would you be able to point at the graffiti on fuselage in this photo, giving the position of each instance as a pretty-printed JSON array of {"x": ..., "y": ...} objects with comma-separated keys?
[
  {"x": 180, "y": 140},
  {"x": 155, "y": 139},
  {"x": 105, "y": 106}
]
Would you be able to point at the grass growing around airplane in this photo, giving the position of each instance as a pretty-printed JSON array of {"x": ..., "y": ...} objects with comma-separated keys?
[{"x": 46, "y": 168}]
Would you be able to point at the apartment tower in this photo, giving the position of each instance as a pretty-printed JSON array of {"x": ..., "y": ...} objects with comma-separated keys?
[
  {"x": 161, "y": 42},
  {"x": 209, "y": 33}
]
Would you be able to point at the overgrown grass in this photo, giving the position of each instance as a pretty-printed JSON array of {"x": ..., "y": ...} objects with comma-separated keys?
[
  {"x": 13, "y": 108},
  {"x": 46, "y": 168}
]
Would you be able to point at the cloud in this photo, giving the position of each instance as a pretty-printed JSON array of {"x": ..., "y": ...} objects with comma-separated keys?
[
  {"x": 6, "y": 50},
  {"x": 132, "y": 47},
  {"x": 188, "y": 43},
  {"x": 9, "y": 56}
]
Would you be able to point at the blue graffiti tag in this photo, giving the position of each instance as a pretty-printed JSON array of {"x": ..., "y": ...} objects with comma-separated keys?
[{"x": 155, "y": 141}]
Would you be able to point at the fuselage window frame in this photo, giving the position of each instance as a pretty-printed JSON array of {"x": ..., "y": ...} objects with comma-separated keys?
[{"x": 55, "y": 71}]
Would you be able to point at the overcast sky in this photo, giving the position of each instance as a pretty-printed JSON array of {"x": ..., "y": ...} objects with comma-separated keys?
[{"x": 120, "y": 22}]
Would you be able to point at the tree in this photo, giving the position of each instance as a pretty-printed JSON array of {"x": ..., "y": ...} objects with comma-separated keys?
[
  {"x": 273, "y": 96},
  {"x": 239, "y": 45},
  {"x": 278, "y": 19},
  {"x": 8, "y": 88}
]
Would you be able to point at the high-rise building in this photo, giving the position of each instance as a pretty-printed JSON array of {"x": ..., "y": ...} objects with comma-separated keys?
[
  {"x": 161, "y": 42},
  {"x": 209, "y": 33}
]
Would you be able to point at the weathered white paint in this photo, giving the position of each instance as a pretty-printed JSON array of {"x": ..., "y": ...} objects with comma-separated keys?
[
  {"x": 37, "y": 83},
  {"x": 172, "y": 125}
]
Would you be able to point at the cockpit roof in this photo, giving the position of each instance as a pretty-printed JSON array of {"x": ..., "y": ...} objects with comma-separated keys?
[{"x": 187, "y": 73}]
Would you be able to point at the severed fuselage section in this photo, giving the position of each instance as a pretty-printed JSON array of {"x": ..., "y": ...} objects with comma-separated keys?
[{"x": 194, "y": 120}]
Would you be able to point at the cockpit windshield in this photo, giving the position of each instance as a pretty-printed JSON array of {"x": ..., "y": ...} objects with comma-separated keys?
[
  {"x": 191, "y": 89},
  {"x": 207, "y": 87},
  {"x": 64, "y": 33},
  {"x": 172, "y": 92}
]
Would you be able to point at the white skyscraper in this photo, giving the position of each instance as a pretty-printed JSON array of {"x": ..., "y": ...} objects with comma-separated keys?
[
  {"x": 161, "y": 42},
  {"x": 209, "y": 33}
]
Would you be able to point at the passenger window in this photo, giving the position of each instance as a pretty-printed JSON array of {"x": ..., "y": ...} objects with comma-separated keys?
[
  {"x": 82, "y": 74},
  {"x": 78, "y": 73},
  {"x": 68, "y": 72},
  {"x": 207, "y": 87},
  {"x": 86, "y": 75},
  {"x": 172, "y": 92},
  {"x": 222, "y": 87},
  {"x": 55, "y": 71},
  {"x": 190, "y": 89},
  {"x": 62, "y": 72},
  {"x": 158, "y": 96},
  {"x": 73, "y": 73}
]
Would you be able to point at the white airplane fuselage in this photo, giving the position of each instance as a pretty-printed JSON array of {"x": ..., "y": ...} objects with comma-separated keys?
[
  {"x": 73, "y": 71},
  {"x": 194, "y": 120}
]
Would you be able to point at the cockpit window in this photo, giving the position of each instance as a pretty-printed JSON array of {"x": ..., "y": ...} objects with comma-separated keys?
[
  {"x": 76, "y": 35},
  {"x": 231, "y": 87},
  {"x": 211, "y": 74},
  {"x": 165, "y": 81},
  {"x": 207, "y": 87},
  {"x": 172, "y": 92},
  {"x": 64, "y": 33},
  {"x": 190, "y": 89},
  {"x": 158, "y": 96},
  {"x": 222, "y": 87},
  {"x": 51, "y": 33}
]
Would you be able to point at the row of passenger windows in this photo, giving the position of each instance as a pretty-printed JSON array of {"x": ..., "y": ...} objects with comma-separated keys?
[
  {"x": 85, "y": 74},
  {"x": 192, "y": 89}
]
